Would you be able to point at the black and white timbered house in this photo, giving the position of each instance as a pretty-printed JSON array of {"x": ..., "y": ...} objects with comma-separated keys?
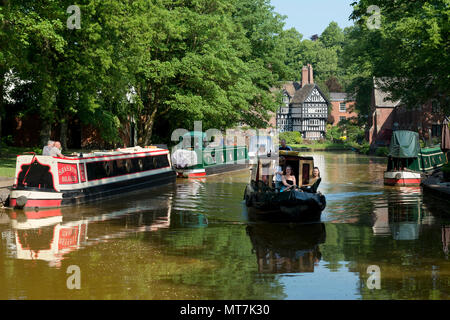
[{"x": 304, "y": 108}]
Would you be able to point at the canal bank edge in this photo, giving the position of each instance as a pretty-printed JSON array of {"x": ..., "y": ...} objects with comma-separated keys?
[
  {"x": 435, "y": 185},
  {"x": 5, "y": 188}
]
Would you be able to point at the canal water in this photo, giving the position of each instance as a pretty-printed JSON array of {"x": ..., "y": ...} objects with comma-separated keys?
[{"x": 192, "y": 240}]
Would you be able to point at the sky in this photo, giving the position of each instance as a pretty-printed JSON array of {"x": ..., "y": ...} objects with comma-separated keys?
[{"x": 313, "y": 16}]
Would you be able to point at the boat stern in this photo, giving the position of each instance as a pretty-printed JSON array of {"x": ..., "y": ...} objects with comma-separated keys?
[{"x": 402, "y": 178}]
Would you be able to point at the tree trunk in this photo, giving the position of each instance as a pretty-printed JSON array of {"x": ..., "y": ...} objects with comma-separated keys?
[
  {"x": 46, "y": 131},
  {"x": 2, "y": 92},
  {"x": 63, "y": 133},
  {"x": 149, "y": 127}
]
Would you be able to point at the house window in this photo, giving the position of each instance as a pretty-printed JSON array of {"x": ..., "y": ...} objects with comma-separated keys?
[
  {"x": 342, "y": 118},
  {"x": 435, "y": 107},
  {"x": 436, "y": 130},
  {"x": 342, "y": 107}
]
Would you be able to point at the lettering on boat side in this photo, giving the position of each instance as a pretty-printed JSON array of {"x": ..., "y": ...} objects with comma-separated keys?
[
  {"x": 374, "y": 281},
  {"x": 67, "y": 173},
  {"x": 73, "y": 281}
]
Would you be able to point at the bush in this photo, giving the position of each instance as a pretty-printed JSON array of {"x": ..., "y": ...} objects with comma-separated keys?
[
  {"x": 446, "y": 172},
  {"x": 291, "y": 137},
  {"x": 382, "y": 151},
  {"x": 333, "y": 133}
]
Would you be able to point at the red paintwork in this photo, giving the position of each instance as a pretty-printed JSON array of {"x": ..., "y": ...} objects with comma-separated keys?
[
  {"x": 31, "y": 203},
  {"x": 401, "y": 182}
]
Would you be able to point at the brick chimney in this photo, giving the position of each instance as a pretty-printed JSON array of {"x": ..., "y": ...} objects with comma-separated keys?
[
  {"x": 310, "y": 74},
  {"x": 305, "y": 76}
]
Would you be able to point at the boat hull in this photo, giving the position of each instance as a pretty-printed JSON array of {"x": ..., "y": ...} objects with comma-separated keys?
[
  {"x": 39, "y": 199},
  {"x": 291, "y": 206},
  {"x": 211, "y": 170},
  {"x": 49, "y": 182},
  {"x": 402, "y": 178}
]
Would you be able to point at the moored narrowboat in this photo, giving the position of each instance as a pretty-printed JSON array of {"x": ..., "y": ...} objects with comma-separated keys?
[
  {"x": 408, "y": 163},
  {"x": 44, "y": 181},
  {"x": 198, "y": 158}
]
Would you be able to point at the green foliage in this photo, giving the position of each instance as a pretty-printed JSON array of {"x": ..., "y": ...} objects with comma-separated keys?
[
  {"x": 382, "y": 151},
  {"x": 446, "y": 171},
  {"x": 416, "y": 33},
  {"x": 291, "y": 137},
  {"x": 334, "y": 133},
  {"x": 182, "y": 61}
]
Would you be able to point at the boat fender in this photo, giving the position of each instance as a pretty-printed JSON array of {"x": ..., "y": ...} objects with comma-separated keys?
[
  {"x": 398, "y": 176},
  {"x": 128, "y": 165},
  {"x": 21, "y": 201},
  {"x": 248, "y": 200}
]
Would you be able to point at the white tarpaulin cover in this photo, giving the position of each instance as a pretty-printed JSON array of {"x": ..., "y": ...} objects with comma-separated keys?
[{"x": 184, "y": 158}]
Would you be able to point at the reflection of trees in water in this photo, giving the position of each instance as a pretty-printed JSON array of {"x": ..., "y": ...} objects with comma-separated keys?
[
  {"x": 285, "y": 248},
  {"x": 406, "y": 266}
]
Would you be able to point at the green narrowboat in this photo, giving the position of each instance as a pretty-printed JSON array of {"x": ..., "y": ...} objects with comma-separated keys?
[
  {"x": 407, "y": 161},
  {"x": 199, "y": 157}
]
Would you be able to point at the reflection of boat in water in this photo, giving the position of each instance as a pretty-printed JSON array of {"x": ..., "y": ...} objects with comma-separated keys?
[
  {"x": 50, "y": 234},
  {"x": 189, "y": 220},
  {"x": 401, "y": 218},
  {"x": 282, "y": 248},
  {"x": 264, "y": 202}
]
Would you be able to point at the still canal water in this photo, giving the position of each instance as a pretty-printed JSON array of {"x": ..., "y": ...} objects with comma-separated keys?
[{"x": 192, "y": 240}]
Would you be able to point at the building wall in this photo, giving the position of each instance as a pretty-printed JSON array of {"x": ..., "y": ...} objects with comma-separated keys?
[
  {"x": 382, "y": 122},
  {"x": 337, "y": 114}
]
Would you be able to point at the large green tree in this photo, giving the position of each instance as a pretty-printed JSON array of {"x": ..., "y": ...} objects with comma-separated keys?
[{"x": 410, "y": 47}]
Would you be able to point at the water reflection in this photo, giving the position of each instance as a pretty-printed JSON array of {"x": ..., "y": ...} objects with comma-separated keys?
[
  {"x": 49, "y": 235},
  {"x": 281, "y": 248},
  {"x": 400, "y": 215}
]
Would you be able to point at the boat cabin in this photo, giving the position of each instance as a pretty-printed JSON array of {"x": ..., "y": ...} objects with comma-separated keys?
[{"x": 302, "y": 167}]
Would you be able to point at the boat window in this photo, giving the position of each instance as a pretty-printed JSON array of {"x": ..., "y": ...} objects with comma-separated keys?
[
  {"x": 106, "y": 169},
  {"x": 305, "y": 173}
]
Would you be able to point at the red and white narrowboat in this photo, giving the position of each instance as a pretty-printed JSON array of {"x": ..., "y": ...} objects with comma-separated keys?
[
  {"x": 44, "y": 181},
  {"x": 408, "y": 163},
  {"x": 402, "y": 178}
]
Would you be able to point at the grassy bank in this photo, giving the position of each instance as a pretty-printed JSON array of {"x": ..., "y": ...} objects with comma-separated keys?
[
  {"x": 332, "y": 146},
  {"x": 8, "y": 159},
  {"x": 321, "y": 146}
]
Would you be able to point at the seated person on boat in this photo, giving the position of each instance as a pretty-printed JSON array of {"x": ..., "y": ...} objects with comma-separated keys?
[
  {"x": 48, "y": 147},
  {"x": 279, "y": 173},
  {"x": 314, "y": 181},
  {"x": 288, "y": 180},
  {"x": 56, "y": 150}
]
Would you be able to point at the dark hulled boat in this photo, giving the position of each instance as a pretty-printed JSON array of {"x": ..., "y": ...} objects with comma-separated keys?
[{"x": 264, "y": 202}]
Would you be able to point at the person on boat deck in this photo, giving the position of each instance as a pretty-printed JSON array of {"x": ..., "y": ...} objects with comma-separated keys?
[
  {"x": 312, "y": 181},
  {"x": 284, "y": 146},
  {"x": 48, "y": 147},
  {"x": 56, "y": 150},
  {"x": 288, "y": 180},
  {"x": 279, "y": 173}
]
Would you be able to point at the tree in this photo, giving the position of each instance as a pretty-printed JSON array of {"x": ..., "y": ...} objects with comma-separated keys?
[
  {"x": 416, "y": 33},
  {"x": 332, "y": 36}
]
